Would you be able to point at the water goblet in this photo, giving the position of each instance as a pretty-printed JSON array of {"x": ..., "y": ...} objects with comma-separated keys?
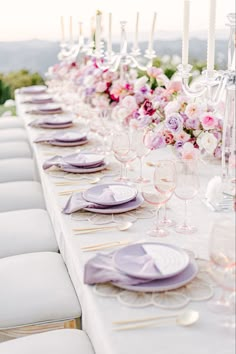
[
  {"x": 159, "y": 192},
  {"x": 187, "y": 187},
  {"x": 141, "y": 152},
  {"x": 123, "y": 151},
  {"x": 223, "y": 266}
]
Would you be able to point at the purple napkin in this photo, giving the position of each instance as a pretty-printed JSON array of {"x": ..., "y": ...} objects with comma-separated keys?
[
  {"x": 39, "y": 122},
  {"x": 76, "y": 202},
  {"x": 39, "y": 111},
  {"x": 101, "y": 269},
  {"x": 59, "y": 162},
  {"x": 35, "y": 101}
]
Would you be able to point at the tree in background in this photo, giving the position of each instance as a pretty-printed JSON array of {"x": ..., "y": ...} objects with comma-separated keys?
[{"x": 16, "y": 79}]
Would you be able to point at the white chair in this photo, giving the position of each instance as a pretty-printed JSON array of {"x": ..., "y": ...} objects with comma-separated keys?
[
  {"x": 17, "y": 134},
  {"x": 19, "y": 169},
  {"x": 9, "y": 150},
  {"x": 36, "y": 289},
  {"x": 21, "y": 195},
  {"x": 64, "y": 341},
  {"x": 11, "y": 122},
  {"x": 26, "y": 231}
]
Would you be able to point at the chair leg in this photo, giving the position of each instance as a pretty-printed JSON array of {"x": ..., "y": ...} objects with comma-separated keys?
[{"x": 12, "y": 333}]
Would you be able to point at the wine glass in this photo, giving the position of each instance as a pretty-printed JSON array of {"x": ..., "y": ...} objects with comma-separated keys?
[
  {"x": 124, "y": 152},
  {"x": 166, "y": 221},
  {"x": 141, "y": 151},
  {"x": 223, "y": 265},
  {"x": 187, "y": 187},
  {"x": 160, "y": 191}
]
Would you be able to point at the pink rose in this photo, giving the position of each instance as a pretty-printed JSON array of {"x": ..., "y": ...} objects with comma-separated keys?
[
  {"x": 101, "y": 87},
  {"x": 208, "y": 121}
]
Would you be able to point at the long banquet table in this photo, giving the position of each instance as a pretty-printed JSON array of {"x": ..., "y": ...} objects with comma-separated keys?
[{"x": 205, "y": 337}]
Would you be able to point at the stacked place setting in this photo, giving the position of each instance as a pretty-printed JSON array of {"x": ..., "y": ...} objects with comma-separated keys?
[
  {"x": 46, "y": 108},
  {"x": 109, "y": 198},
  {"x": 77, "y": 163},
  {"x": 53, "y": 122},
  {"x": 142, "y": 267},
  {"x": 39, "y": 99},
  {"x": 64, "y": 139}
]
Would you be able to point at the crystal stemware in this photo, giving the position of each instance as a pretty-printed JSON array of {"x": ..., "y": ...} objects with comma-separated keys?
[
  {"x": 160, "y": 191},
  {"x": 123, "y": 151},
  {"x": 223, "y": 266},
  {"x": 187, "y": 187},
  {"x": 141, "y": 151}
]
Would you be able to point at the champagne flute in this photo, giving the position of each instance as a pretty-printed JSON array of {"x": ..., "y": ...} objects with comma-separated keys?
[
  {"x": 223, "y": 265},
  {"x": 123, "y": 151},
  {"x": 186, "y": 188},
  {"x": 160, "y": 191}
]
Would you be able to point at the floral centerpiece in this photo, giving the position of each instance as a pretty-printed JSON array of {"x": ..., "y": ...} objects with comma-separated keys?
[{"x": 168, "y": 117}]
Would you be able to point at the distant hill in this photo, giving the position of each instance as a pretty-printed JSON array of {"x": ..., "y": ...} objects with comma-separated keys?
[{"x": 38, "y": 55}]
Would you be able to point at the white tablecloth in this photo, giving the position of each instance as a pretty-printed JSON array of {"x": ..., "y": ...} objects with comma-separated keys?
[{"x": 205, "y": 337}]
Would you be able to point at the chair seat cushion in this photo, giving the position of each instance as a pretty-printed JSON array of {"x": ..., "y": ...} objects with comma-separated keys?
[
  {"x": 17, "y": 134},
  {"x": 26, "y": 231},
  {"x": 19, "y": 169},
  {"x": 11, "y": 122},
  {"x": 9, "y": 150},
  {"x": 21, "y": 195},
  {"x": 35, "y": 289},
  {"x": 64, "y": 341}
]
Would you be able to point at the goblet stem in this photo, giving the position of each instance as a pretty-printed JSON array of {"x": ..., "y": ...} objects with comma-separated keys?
[
  {"x": 140, "y": 168},
  {"x": 157, "y": 217},
  {"x": 185, "y": 213}
]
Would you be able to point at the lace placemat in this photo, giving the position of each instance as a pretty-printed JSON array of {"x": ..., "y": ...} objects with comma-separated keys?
[
  {"x": 201, "y": 288},
  {"x": 143, "y": 212}
]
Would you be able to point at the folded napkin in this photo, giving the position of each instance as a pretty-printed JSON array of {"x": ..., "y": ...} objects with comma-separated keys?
[
  {"x": 44, "y": 111},
  {"x": 214, "y": 189},
  {"x": 59, "y": 162},
  {"x": 52, "y": 123},
  {"x": 101, "y": 269},
  {"x": 52, "y": 138},
  {"x": 39, "y": 101},
  {"x": 76, "y": 202}
]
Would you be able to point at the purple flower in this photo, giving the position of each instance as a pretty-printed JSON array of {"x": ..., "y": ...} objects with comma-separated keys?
[
  {"x": 192, "y": 123},
  {"x": 144, "y": 121},
  {"x": 154, "y": 141},
  {"x": 174, "y": 123},
  {"x": 179, "y": 144},
  {"x": 144, "y": 89},
  {"x": 89, "y": 91},
  {"x": 218, "y": 152}
]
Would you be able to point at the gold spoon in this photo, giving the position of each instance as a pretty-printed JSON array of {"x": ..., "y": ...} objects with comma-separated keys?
[
  {"x": 121, "y": 227},
  {"x": 184, "y": 319}
]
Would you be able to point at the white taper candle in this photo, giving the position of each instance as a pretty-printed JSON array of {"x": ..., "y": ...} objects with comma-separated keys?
[
  {"x": 211, "y": 36},
  {"x": 151, "y": 38},
  {"x": 136, "y": 32},
  {"x": 109, "y": 41},
  {"x": 71, "y": 30},
  {"x": 62, "y": 30},
  {"x": 185, "y": 41},
  {"x": 98, "y": 31}
]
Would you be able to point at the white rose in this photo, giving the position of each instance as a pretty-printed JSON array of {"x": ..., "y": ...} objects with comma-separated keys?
[
  {"x": 129, "y": 102},
  {"x": 139, "y": 83},
  {"x": 122, "y": 113},
  {"x": 88, "y": 81},
  {"x": 172, "y": 107},
  {"x": 208, "y": 142}
]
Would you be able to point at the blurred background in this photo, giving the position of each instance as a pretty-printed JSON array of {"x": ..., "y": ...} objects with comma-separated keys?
[{"x": 30, "y": 34}]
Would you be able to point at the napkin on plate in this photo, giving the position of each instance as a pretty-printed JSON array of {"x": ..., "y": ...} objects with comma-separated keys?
[
  {"x": 76, "y": 202},
  {"x": 59, "y": 162},
  {"x": 100, "y": 269},
  {"x": 214, "y": 189}
]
